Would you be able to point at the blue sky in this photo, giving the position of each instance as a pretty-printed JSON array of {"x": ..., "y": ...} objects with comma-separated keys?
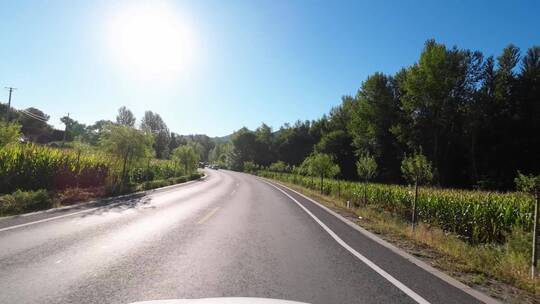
[{"x": 243, "y": 62}]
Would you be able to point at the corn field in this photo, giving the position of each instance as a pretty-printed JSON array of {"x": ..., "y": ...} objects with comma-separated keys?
[
  {"x": 478, "y": 216},
  {"x": 33, "y": 167},
  {"x": 155, "y": 169}
]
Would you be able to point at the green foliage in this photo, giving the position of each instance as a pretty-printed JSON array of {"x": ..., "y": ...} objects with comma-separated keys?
[
  {"x": 74, "y": 129},
  {"x": 250, "y": 167},
  {"x": 416, "y": 169},
  {"x": 221, "y": 154},
  {"x": 154, "y": 169},
  {"x": 9, "y": 133},
  {"x": 366, "y": 166},
  {"x": 322, "y": 165},
  {"x": 33, "y": 167},
  {"x": 34, "y": 124},
  {"x": 186, "y": 157},
  {"x": 125, "y": 117},
  {"x": 477, "y": 216},
  {"x": 279, "y": 166},
  {"x": 244, "y": 145},
  {"x": 126, "y": 145},
  {"x": 21, "y": 201},
  {"x": 528, "y": 183},
  {"x": 338, "y": 144},
  {"x": 169, "y": 181},
  {"x": 152, "y": 123}
]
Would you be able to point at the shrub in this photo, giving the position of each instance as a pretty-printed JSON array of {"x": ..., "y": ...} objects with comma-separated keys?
[{"x": 25, "y": 201}]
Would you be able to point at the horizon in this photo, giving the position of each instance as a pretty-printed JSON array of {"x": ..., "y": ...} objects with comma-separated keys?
[{"x": 229, "y": 64}]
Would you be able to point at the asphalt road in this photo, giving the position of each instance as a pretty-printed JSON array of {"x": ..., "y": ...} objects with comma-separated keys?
[{"x": 228, "y": 235}]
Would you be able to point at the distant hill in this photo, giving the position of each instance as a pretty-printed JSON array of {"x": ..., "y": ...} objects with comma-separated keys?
[{"x": 222, "y": 139}]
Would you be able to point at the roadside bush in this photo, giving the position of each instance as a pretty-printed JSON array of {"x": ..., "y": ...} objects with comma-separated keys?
[
  {"x": 154, "y": 184},
  {"x": 25, "y": 201}
]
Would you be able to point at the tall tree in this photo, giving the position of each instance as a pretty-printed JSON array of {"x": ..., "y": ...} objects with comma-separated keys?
[
  {"x": 154, "y": 124},
  {"x": 244, "y": 142},
  {"x": 127, "y": 145},
  {"x": 186, "y": 157},
  {"x": 436, "y": 89},
  {"x": 34, "y": 125},
  {"x": 375, "y": 111},
  {"x": 73, "y": 129},
  {"x": 125, "y": 117}
]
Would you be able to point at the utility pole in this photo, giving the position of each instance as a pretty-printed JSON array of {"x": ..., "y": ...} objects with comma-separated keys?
[
  {"x": 66, "y": 129},
  {"x": 9, "y": 103}
]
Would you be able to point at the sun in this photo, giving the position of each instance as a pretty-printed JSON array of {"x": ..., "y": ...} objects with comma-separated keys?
[{"x": 151, "y": 38}]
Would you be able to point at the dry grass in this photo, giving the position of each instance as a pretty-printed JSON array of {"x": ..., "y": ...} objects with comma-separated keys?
[
  {"x": 501, "y": 271},
  {"x": 76, "y": 195}
]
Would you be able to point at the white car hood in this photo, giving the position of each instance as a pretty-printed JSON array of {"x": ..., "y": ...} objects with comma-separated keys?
[{"x": 221, "y": 301}]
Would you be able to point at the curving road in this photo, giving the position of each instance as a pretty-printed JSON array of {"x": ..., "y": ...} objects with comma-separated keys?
[{"x": 230, "y": 234}]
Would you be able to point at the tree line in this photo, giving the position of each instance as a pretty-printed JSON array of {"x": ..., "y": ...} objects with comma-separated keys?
[
  {"x": 139, "y": 154},
  {"x": 475, "y": 118},
  {"x": 35, "y": 128}
]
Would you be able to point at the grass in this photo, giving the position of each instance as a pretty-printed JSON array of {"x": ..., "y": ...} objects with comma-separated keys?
[{"x": 501, "y": 270}]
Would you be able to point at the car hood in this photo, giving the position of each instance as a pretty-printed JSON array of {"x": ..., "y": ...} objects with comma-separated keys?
[{"x": 221, "y": 301}]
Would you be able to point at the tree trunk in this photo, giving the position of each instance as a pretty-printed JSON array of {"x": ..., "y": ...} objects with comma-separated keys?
[
  {"x": 124, "y": 166},
  {"x": 147, "y": 177},
  {"x": 473, "y": 159}
]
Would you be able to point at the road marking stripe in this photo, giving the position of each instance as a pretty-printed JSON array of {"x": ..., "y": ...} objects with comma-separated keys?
[
  {"x": 121, "y": 197},
  {"x": 208, "y": 215},
  {"x": 49, "y": 219},
  {"x": 366, "y": 261}
]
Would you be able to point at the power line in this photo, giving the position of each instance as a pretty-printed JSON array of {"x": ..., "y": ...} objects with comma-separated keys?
[
  {"x": 35, "y": 115},
  {"x": 32, "y": 115}
]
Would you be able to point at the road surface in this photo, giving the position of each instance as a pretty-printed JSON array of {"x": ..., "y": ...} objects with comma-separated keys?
[{"x": 230, "y": 234}]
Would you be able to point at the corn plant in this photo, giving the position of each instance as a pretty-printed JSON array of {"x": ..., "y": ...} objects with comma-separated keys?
[{"x": 477, "y": 216}]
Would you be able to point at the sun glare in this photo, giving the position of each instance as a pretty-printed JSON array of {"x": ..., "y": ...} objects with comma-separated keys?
[{"x": 151, "y": 38}]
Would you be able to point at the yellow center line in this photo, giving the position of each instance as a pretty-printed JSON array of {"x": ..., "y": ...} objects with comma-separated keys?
[{"x": 208, "y": 215}]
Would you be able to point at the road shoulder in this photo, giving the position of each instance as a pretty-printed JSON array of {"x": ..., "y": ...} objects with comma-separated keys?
[{"x": 428, "y": 269}]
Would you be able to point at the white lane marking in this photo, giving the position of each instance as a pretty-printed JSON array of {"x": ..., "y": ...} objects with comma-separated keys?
[
  {"x": 366, "y": 261},
  {"x": 48, "y": 219},
  {"x": 149, "y": 192}
]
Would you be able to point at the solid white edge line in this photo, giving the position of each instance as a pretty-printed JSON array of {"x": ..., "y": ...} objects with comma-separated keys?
[
  {"x": 151, "y": 191},
  {"x": 434, "y": 271},
  {"x": 413, "y": 295}
]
